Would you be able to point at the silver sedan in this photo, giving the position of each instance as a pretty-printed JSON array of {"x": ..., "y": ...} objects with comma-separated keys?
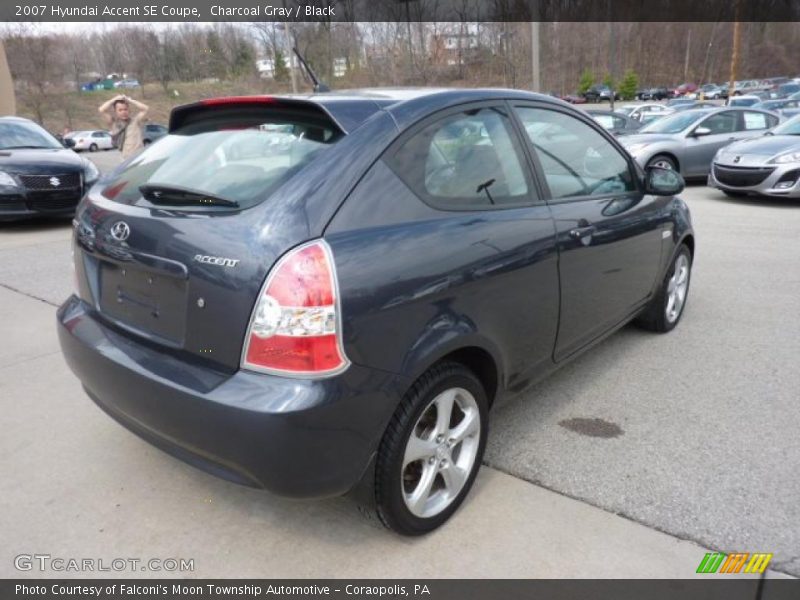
[
  {"x": 687, "y": 141},
  {"x": 768, "y": 165}
]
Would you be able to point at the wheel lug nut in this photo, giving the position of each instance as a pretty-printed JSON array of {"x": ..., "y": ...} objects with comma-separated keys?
[
  {"x": 439, "y": 439},
  {"x": 431, "y": 460}
]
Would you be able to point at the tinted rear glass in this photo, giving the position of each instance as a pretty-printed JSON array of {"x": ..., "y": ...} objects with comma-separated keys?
[{"x": 238, "y": 155}]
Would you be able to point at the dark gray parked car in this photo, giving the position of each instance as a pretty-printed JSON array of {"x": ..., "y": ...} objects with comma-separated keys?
[
  {"x": 339, "y": 316},
  {"x": 687, "y": 141},
  {"x": 153, "y": 132},
  {"x": 39, "y": 177}
]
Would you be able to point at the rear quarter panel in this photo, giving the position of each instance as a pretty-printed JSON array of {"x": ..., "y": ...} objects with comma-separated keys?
[{"x": 417, "y": 283}]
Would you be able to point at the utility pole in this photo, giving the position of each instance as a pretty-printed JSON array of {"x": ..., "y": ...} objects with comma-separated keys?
[
  {"x": 290, "y": 55},
  {"x": 536, "y": 84},
  {"x": 7, "y": 102},
  {"x": 734, "y": 54},
  {"x": 686, "y": 60},
  {"x": 612, "y": 59}
]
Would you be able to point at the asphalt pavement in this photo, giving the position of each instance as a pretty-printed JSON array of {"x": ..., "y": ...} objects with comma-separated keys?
[
  {"x": 708, "y": 416},
  {"x": 631, "y": 461}
]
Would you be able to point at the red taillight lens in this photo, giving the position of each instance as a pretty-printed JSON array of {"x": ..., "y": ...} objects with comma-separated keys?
[{"x": 294, "y": 328}]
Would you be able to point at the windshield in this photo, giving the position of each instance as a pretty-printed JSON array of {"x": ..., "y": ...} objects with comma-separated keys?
[
  {"x": 790, "y": 127},
  {"x": 237, "y": 166},
  {"x": 674, "y": 123},
  {"x": 25, "y": 135},
  {"x": 626, "y": 110}
]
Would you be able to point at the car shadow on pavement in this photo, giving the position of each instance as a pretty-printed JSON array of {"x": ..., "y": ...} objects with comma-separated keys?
[{"x": 787, "y": 203}]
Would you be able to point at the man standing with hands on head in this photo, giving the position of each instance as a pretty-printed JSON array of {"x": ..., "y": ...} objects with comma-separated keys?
[{"x": 126, "y": 131}]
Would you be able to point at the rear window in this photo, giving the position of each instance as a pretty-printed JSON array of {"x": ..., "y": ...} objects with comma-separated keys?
[
  {"x": 21, "y": 134},
  {"x": 231, "y": 155}
]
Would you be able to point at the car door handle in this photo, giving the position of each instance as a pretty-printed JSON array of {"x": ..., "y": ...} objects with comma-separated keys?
[{"x": 581, "y": 233}]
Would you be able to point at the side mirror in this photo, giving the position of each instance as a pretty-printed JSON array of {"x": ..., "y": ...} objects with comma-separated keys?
[
  {"x": 68, "y": 143},
  {"x": 663, "y": 182},
  {"x": 701, "y": 131}
]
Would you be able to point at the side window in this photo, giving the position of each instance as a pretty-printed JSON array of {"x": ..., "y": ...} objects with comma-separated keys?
[
  {"x": 576, "y": 159},
  {"x": 724, "y": 122},
  {"x": 606, "y": 121},
  {"x": 468, "y": 160},
  {"x": 755, "y": 120}
]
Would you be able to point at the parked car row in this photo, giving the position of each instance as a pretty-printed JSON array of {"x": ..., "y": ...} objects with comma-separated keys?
[
  {"x": 687, "y": 141},
  {"x": 774, "y": 88},
  {"x": 109, "y": 84},
  {"x": 750, "y": 146}
]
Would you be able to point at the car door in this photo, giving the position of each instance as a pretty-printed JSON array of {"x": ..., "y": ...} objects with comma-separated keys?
[
  {"x": 479, "y": 252},
  {"x": 608, "y": 232},
  {"x": 699, "y": 148}
]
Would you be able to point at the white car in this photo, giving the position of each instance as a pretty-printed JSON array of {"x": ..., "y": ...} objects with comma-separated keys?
[
  {"x": 91, "y": 140},
  {"x": 639, "y": 112}
]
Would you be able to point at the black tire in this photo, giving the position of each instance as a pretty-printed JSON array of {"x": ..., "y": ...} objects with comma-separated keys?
[
  {"x": 93, "y": 148},
  {"x": 389, "y": 501},
  {"x": 146, "y": 143},
  {"x": 663, "y": 158},
  {"x": 654, "y": 316}
]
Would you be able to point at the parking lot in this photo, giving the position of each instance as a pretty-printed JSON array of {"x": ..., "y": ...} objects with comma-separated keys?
[{"x": 692, "y": 434}]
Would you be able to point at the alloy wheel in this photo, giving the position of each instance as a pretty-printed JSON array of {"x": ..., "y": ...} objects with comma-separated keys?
[
  {"x": 677, "y": 287},
  {"x": 440, "y": 452}
]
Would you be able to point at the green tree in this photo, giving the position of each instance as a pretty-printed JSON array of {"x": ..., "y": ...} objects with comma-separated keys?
[
  {"x": 586, "y": 81},
  {"x": 281, "y": 70},
  {"x": 243, "y": 58},
  {"x": 630, "y": 82},
  {"x": 609, "y": 81}
]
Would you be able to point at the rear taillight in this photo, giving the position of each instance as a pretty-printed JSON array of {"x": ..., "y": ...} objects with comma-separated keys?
[{"x": 295, "y": 327}]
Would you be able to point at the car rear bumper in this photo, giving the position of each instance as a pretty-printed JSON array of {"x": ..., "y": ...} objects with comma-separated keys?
[
  {"x": 294, "y": 437},
  {"x": 763, "y": 180}
]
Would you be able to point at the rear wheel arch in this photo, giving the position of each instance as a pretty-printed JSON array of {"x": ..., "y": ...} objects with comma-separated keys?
[
  {"x": 481, "y": 363},
  {"x": 688, "y": 239},
  {"x": 476, "y": 357}
]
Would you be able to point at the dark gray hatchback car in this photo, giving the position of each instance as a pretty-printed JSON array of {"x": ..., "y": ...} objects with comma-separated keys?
[{"x": 324, "y": 295}]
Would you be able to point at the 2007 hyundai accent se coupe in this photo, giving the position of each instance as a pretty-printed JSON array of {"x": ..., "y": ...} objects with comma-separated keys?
[{"x": 324, "y": 295}]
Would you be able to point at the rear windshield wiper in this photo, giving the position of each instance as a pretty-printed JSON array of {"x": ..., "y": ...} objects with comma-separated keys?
[{"x": 175, "y": 195}]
